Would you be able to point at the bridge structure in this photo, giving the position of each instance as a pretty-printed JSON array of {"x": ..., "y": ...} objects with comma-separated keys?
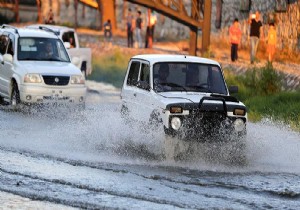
[{"x": 198, "y": 18}]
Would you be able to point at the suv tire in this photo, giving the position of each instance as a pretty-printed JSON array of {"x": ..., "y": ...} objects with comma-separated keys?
[{"x": 15, "y": 97}]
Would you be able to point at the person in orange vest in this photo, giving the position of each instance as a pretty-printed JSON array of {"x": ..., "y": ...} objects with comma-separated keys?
[
  {"x": 272, "y": 40},
  {"x": 235, "y": 35}
]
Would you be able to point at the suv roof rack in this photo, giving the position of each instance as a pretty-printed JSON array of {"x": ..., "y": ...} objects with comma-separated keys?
[
  {"x": 10, "y": 26},
  {"x": 49, "y": 30}
]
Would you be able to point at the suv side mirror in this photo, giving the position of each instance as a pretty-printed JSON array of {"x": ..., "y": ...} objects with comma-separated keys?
[
  {"x": 76, "y": 61},
  {"x": 233, "y": 89},
  {"x": 143, "y": 85},
  {"x": 67, "y": 45},
  {"x": 8, "y": 58}
]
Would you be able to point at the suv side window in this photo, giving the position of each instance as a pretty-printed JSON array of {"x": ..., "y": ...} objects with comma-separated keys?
[
  {"x": 3, "y": 44},
  {"x": 10, "y": 48},
  {"x": 133, "y": 73},
  {"x": 69, "y": 37},
  {"x": 145, "y": 73}
]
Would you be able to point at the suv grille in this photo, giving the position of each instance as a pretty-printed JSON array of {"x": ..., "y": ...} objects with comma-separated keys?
[{"x": 56, "y": 80}]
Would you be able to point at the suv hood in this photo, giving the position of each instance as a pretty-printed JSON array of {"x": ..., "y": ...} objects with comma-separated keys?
[
  {"x": 182, "y": 97},
  {"x": 49, "y": 67},
  {"x": 191, "y": 97}
]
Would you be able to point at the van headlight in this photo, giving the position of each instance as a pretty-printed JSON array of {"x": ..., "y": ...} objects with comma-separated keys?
[
  {"x": 175, "y": 123},
  {"x": 239, "y": 125},
  {"x": 32, "y": 78},
  {"x": 77, "y": 79}
]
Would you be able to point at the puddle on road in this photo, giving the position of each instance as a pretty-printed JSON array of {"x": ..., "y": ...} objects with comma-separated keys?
[{"x": 10, "y": 201}]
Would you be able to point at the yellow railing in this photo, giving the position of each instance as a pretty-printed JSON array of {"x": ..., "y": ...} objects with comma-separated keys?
[{"x": 90, "y": 3}]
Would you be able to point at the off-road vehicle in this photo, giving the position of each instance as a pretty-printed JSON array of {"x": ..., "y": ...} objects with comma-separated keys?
[{"x": 187, "y": 95}]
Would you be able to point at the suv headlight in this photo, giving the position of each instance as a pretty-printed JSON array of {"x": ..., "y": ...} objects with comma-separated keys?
[
  {"x": 32, "y": 78},
  {"x": 77, "y": 79},
  {"x": 175, "y": 123},
  {"x": 239, "y": 125}
]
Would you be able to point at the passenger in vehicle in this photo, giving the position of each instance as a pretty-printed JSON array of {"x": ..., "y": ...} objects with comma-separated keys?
[
  {"x": 192, "y": 75},
  {"x": 49, "y": 50},
  {"x": 72, "y": 44}
]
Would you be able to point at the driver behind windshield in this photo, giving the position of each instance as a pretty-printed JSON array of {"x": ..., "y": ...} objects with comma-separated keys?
[
  {"x": 161, "y": 82},
  {"x": 48, "y": 50}
]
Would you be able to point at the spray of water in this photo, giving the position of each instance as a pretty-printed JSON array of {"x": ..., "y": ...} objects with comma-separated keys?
[{"x": 99, "y": 134}]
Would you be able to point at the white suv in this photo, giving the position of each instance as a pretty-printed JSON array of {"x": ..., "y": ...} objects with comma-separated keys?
[
  {"x": 36, "y": 68},
  {"x": 71, "y": 41},
  {"x": 187, "y": 95}
]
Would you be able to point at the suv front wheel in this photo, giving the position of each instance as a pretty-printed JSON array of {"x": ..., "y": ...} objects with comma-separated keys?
[{"x": 15, "y": 97}]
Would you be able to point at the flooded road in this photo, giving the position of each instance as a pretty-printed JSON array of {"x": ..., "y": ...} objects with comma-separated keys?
[{"x": 55, "y": 159}]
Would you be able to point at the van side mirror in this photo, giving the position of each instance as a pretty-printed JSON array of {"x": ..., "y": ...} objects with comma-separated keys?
[
  {"x": 233, "y": 89},
  {"x": 8, "y": 58}
]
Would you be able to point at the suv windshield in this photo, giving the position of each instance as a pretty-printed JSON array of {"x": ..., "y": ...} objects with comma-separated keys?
[
  {"x": 194, "y": 77},
  {"x": 41, "y": 49}
]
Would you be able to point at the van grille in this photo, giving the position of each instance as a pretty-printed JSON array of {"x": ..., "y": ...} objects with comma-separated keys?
[{"x": 56, "y": 80}]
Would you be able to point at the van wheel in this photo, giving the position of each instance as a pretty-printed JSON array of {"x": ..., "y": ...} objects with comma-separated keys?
[{"x": 15, "y": 97}]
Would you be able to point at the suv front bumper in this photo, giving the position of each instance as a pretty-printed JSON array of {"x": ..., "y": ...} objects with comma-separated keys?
[
  {"x": 39, "y": 94},
  {"x": 206, "y": 126}
]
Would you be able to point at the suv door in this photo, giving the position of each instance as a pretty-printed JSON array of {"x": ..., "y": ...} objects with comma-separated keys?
[
  {"x": 143, "y": 98},
  {"x": 6, "y": 68},
  {"x": 136, "y": 90},
  {"x": 130, "y": 85}
]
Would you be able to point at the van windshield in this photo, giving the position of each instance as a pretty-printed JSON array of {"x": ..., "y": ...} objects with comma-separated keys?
[
  {"x": 41, "y": 49},
  {"x": 192, "y": 77}
]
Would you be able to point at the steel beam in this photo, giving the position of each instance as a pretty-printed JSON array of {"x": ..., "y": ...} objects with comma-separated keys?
[
  {"x": 168, "y": 11},
  {"x": 206, "y": 26}
]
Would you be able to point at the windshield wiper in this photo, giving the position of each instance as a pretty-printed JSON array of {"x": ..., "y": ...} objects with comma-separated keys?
[
  {"x": 29, "y": 59},
  {"x": 52, "y": 59},
  {"x": 200, "y": 88},
  {"x": 170, "y": 84}
]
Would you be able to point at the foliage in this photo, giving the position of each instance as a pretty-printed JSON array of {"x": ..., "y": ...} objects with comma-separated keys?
[
  {"x": 208, "y": 53},
  {"x": 67, "y": 24},
  {"x": 257, "y": 81},
  {"x": 260, "y": 90},
  {"x": 110, "y": 68}
]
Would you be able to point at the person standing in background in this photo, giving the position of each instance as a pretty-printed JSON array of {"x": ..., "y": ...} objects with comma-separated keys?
[
  {"x": 272, "y": 40},
  {"x": 138, "y": 26},
  {"x": 129, "y": 27},
  {"x": 255, "y": 34},
  {"x": 152, "y": 19},
  {"x": 108, "y": 31},
  {"x": 50, "y": 17},
  {"x": 235, "y": 35}
]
